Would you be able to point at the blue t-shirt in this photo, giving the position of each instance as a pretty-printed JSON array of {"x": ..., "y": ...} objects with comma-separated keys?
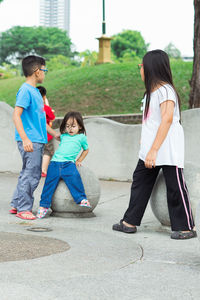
[
  {"x": 69, "y": 147},
  {"x": 33, "y": 116}
]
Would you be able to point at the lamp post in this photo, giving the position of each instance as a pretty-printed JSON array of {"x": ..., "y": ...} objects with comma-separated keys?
[
  {"x": 104, "y": 43},
  {"x": 104, "y": 22}
]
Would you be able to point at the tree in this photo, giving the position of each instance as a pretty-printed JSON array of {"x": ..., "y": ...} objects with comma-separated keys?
[
  {"x": 194, "y": 100},
  {"x": 129, "y": 40},
  {"x": 59, "y": 62},
  {"x": 172, "y": 51},
  {"x": 1, "y": 1},
  {"x": 88, "y": 58},
  {"x": 18, "y": 42},
  {"x": 8, "y": 71}
]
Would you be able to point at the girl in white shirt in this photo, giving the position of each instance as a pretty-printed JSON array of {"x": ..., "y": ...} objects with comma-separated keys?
[{"x": 162, "y": 146}]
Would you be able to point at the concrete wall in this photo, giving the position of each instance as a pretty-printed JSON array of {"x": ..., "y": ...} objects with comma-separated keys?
[
  {"x": 191, "y": 124},
  {"x": 113, "y": 146},
  {"x": 121, "y": 118},
  {"x": 10, "y": 160}
]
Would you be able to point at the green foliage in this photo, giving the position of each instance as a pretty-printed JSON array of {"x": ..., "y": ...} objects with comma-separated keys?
[
  {"x": 18, "y": 42},
  {"x": 100, "y": 89},
  {"x": 130, "y": 56},
  {"x": 172, "y": 51},
  {"x": 58, "y": 62},
  {"x": 88, "y": 58},
  {"x": 129, "y": 41},
  {"x": 8, "y": 71}
]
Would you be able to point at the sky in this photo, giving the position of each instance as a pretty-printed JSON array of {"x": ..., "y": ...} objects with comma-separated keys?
[{"x": 159, "y": 21}]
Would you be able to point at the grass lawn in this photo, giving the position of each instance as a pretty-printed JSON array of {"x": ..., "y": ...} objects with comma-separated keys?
[{"x": 102, "y": 89}]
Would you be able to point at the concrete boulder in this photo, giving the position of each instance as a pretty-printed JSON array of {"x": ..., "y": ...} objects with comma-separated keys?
[
  {"x": 197, "y": 221},
  {"x": 159, "y": 195},
  {"x": 63, "y": 204}
]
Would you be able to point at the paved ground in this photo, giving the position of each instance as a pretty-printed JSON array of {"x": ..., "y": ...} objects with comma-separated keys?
[{"x": 100, "y": 264}]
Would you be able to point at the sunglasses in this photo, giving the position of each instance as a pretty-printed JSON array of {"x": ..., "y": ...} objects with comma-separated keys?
[{"x": 44, "y": 70}]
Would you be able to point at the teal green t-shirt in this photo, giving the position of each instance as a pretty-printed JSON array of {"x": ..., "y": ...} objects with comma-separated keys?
[{"x": 69, "y": 147}]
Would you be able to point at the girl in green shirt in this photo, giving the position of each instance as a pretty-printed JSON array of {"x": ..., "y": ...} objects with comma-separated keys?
[{"x": 64, "y": 163}]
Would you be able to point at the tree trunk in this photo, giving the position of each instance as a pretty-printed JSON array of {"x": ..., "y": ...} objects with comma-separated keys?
[{"x": 195, "y": 81}]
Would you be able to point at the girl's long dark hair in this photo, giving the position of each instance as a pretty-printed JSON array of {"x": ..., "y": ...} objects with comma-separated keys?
[
  {"x": 74, "y": 115},
  {"x": 157, "y": 71}
]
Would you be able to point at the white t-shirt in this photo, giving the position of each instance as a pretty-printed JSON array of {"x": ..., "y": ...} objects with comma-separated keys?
[{"x": 171, "y": 151}]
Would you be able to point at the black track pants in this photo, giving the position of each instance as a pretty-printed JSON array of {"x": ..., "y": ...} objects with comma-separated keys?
[{"x": 177, "y": 196}]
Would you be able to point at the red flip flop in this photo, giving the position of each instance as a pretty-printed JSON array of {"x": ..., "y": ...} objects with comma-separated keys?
[
  {"x": 29, "y": 215},
  {"x": 13, "y": 211},
  {"x": 43, "y": 174}
]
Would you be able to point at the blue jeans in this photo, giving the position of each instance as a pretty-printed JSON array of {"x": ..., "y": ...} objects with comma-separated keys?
[
  {"x": 68, "y": 172},
  {"x": 29, "y": 177}
]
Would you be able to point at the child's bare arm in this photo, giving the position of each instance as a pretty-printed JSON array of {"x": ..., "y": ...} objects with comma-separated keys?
[
  {"x": 53, "y": 133},
  {"x": 27, "y": 144},
  {"x": 82, "y": 157},
  {"x": 46, "y": 101}
]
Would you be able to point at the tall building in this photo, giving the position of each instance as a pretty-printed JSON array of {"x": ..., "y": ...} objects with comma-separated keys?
[{"x": 55, "y": 13}]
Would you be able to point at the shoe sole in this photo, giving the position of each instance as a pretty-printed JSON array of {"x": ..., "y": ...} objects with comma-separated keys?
[
  {"x": 122, "y": 230},
  {"x": 185, "y": 238},
  {"x": 23, "y": 218}
]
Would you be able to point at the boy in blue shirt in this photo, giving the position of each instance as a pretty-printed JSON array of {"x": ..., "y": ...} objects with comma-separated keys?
[{"x": 31, "y": 135}]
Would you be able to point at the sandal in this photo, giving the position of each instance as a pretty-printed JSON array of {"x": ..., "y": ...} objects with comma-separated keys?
[
  {"x": 121, "y": 227},
  {"x": 43, "y": 174},
  {"x": 26, "y": 215},
  {"x": 180, "y": 235},
  {"x": 42, "y": 211},
  {"x": 85, "y": 203},
  {"x": 13, "y": 210}
]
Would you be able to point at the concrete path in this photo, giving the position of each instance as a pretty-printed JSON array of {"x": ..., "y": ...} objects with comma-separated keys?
[{"x": 100, "y": 263}]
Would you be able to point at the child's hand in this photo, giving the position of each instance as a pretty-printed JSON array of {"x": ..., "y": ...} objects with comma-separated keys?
[
  {"x": 57, "y": 136},
  {"x": 78, "y": 163},
  {"x": 28, "y": 146},
  {"x": 150, "y": 160}
]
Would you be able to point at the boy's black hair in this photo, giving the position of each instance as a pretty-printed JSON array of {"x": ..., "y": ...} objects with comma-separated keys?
[
  {"x": 42, "y": 90},
  {"x": 75, "y": 115},
  {"x": 31, "y": 63}
]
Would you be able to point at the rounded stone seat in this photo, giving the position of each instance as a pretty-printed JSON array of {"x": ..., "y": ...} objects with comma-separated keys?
[
  {"x": 63, "y": 204},
  {"x": 158, "y": 199},
  {"x": 197, "y": 221}
]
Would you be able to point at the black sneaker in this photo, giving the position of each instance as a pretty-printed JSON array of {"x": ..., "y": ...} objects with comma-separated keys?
[
  {"x": 121, "y": 227},
  {"x": 179, "y": 235}
]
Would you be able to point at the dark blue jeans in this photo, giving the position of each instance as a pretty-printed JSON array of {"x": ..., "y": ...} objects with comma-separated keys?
[{"x": 69, "y": 173}]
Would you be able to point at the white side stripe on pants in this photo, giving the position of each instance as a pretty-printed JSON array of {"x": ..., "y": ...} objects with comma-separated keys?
[
  {"x": 188, "y": 220},
  {"x": 185, "y": 188}
]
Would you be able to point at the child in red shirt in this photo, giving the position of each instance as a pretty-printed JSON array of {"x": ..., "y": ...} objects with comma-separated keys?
[{"x": 49, "y": 148}]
